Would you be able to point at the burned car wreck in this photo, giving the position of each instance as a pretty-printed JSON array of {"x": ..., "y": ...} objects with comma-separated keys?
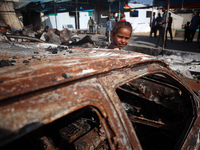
[{"x": 97, "y": 99}]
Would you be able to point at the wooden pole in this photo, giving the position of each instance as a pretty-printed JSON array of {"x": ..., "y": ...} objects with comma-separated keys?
[
  {"x": 151, "y": 21},
  {"x": 109, "y": 22},
  {"x": 119, "y": 11},
  {"x": 55, "y": 13},
  {"x": 76, "y": 16}
]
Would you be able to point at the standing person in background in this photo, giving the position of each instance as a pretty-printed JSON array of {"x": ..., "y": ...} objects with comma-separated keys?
[
  {"x": 163, "y": 24},
  {"x": 113, "y": 20},
  {"x": 116, "y": 19},
  {"x": 187, "y": 32},
  {"x": 122, "y": 18},
  {"x": 109, "y": 26},
  {"x": 169, "y": 27},
  {"x": 91, "y": 23},
  {"x": 158, "y": 22},
  {"x": 153, "y": 25},
  {"x": 194, "y": 25}
]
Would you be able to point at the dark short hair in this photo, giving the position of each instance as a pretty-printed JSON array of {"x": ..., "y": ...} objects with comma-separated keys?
[
  {"x": 165, "y": 7},
  {"x": 122, "y": 24}
]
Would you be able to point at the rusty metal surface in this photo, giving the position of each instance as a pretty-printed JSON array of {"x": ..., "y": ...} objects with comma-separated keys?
[
  {"x": 130, "y": 74},
  {"x": 55, "y": 70},
  {"x": 39, "y": 92},
  {"x": 33, "y": 94},
  {"x": 21, "y": 115},
  {"x": 47, "y": 143},
  {"x": 192, "y": 140},
  {"x": 193, "y": 84}
]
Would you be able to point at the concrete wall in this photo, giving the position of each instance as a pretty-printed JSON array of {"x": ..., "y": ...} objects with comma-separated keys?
[
  {"x": 83, "y": 20},
  {"x": 186, "y": 17},
  {"x": 62, "y": 20},
  {"x": 140, "y": 23},
  {"x": 177, "y": 21}
]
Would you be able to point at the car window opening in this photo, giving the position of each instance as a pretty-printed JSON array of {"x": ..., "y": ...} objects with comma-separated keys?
[
  {"x": 81, "y": 129},
  {"x": 158, "y": 109}
]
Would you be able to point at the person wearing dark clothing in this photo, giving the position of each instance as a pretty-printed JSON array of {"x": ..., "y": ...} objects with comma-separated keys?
[
  {"x": 194, "y": 25},
  {"x": 187, "y": 32},
  {"x": 153, "y": 25},
  {"x": 158, "y": 22},
  {"x": 116, "y": 20},
  {"x": 169, "y": 27}
]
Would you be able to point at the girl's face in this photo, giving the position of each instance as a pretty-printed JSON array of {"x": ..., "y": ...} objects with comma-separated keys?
[{"x": 121, "y": 38}]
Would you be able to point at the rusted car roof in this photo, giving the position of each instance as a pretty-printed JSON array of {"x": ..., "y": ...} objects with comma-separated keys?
[
  {"x": 39, "y": 92},
  {"x": 54, "y": 70}
]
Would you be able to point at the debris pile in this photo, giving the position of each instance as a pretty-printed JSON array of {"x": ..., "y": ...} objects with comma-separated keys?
[
  {"x": 185, "y": 66},
  {"x": 55, "y": 50},
  {"x": 4, "y": 63},
  {"x": 48, "y": 35}
]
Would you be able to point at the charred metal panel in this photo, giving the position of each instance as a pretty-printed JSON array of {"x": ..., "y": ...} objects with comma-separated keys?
[
  {"x": 19, "y": 80},
  {"x": 193, "y": 84},
  {"x": 193, "y": 139},
  {"x": 145, "y": 90},
  {"x": 23, "y": 114},
  {"x": 38, "y": 93}
]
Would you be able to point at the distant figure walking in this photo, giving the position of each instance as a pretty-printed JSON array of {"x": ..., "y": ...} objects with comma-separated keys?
[
  {"x": 109, "y": 27},
  {"x": 169, "y": 27},
  {"x": 194, "y": 25},
  {"x": 90, "y": 23},
  {"x": 153, "y": 25}
]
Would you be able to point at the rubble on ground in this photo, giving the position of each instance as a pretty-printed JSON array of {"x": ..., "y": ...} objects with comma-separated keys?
[
  {"x": 187, "y": 67},
  {"x": 45, "y": 34}
]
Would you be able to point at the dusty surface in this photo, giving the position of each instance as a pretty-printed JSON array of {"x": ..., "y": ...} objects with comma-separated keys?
[
  {"x": 26, "y": 52},
  {"x": 188, "y": 67}
]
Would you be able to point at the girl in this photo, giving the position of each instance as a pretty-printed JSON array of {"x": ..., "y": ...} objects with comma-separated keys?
[{"x": 120, "y": 35}]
